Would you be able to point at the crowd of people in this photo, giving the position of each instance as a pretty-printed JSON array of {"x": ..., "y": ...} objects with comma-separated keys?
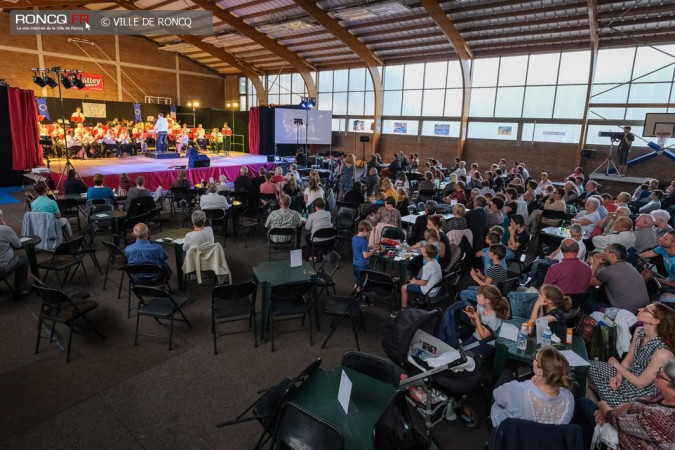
[{"x": 619, "y": 243}]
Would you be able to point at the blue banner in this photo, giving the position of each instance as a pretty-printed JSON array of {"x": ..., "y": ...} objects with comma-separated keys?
[
  {"x": 173, "y": 112},
  {"x": 138, "y": 117},
  {"x": 42, "y": 107}
]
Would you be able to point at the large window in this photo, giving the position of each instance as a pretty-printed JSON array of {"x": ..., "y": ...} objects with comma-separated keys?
[{"x": 346, "y": 92}]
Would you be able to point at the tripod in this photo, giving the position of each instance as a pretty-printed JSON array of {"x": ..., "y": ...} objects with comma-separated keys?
[
  {"x": 68, "y": 166},
  {"x": 297, "y": 123},
  {"x": 608, "y": 163}
]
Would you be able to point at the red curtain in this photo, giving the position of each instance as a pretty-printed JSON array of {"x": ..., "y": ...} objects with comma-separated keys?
[
  {"x": 26, "y": 148},
  {"x": 254, "y": 130}
]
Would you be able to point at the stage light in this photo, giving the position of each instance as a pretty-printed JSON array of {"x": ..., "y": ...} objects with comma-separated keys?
[
  {"x": 49, "y": 81},
  {"x": 65, "y": 81},
  {"x": 307, "y": 102},
  {"x": 39, "y": 80},
  {"x": 77, "y": 81}
]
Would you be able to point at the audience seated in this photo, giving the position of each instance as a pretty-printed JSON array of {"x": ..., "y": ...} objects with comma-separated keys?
[
  {"x": 495, "y": 215},
  {"x": 420, "y": 225},
  {"x": 313, "y": 191},
  {"x": 373, "y": 181},
  {"x": 606, "y": 225},
  {"x": 425, "y": 284},
  {"x": 223, "y": 185},
  {"x": 145, "y": 252},
  {"x": 666, "y": 250},
  {"x": 317, "y": 220},
  {"x": 284, "y": 217},
  {"x": 661, "y": 218},
  {"x": 572, "y": 275},
  {"x": 45, "y": 204},
  {"x": 386, "y": 216},
  {"x": 137, "y": 191},
  {"x": 476, "y": 221},
  {"x": 623, "y": 285},
  {"x": 243, "y": 182},
  {"x": 518, "y": 238},
  {"x": 544, "y": 398},
  {"x": 201, "y": 233},
  {"x": 552, "y": 304},
  {"x": 9, "y": 262},
  {"x": 213, "y": 200},
  {"x": 589, "y": 216},
  {"x": 74, "y": 185},
  {"x": 623, "y": 234},
  {"x": 269, "y": 186},
  {"x": 590, "y": 189},
  {"x": 355, "y": 195},
  {"x": 645, "y": 235},
  {"x": 458, "y": 221},
  {"x": 495, "y": 274},
  {"x": 618, "y": 382},
  {"x": 99, "y": 191}
]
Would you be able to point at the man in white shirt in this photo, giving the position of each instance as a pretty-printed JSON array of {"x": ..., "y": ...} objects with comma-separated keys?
[
  {"x": 213, "y": 200},
  {"x": 161, "y": 127},
  {"x": 622, "y": 234},
  {"x": 461, "y": 169}
]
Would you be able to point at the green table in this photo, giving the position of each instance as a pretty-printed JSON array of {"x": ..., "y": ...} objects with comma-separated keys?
[
  {"x": 116, "y": 218},
  {"x": 401, "y": 265},
  {"x": 369, "y": 398},
  {"x": 177, "y": 249},
  {"x": 272, "y": 273},
  {"x": 507, "y": 349}
]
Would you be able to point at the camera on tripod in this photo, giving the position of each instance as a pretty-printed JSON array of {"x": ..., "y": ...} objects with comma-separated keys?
[{"x": 613, "y": 135}]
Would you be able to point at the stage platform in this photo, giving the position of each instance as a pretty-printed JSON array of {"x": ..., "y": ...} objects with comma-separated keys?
[
  {"x": 161, "y": 172},
  {"x": 615, "y": 184}
]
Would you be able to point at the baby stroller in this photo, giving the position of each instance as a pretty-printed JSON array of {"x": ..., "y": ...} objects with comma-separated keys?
[{"x": 443, "y": 375}]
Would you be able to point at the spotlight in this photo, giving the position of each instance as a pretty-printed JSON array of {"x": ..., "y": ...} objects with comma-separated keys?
[
  {"x": 49, "y": 81},
  {"x": 308, "y": 102},
  {"x": 78, "y": 82},
  {"x": 39, "y": 80},
  {"x": 65, "y": 81}
]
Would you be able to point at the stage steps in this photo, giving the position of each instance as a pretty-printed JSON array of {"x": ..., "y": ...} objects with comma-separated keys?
[{"x": 166, "y": 155}]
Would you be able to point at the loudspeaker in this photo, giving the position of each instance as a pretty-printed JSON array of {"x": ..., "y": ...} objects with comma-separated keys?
[
  {"x": 588, "y": 153},
  {"x": 198, "y": 161},
  {"x": 270, "y": 158},
  {"x": 364, "y": 139}
]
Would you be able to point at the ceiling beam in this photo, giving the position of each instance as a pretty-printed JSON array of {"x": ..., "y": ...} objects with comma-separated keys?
[
  {"x": 507, "y": 26},
  {"x": 27, "y": 4},
  {"x": 464, "y": 55},
  {"x": 548, "y": 31},
  {"x": 362, "y": 51},
  {"x": 377, "y": 23},
  {"x": 266, "y": 12},
  {"x": 395, "y": 29},
  {"x": 263, "y": 40},
  {"x": 248, "y": 71},
  {"x": 406, "y": 37},
  {"x": 413, "y": 46},
  {"x": 512, "y": 15}
]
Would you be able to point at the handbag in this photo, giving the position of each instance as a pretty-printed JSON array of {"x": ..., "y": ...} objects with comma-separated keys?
[{"x": 584, "y": 328}]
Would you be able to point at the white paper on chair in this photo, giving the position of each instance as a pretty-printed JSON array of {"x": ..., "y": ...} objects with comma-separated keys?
[
  {"x": 509, "y": 331},
  {"x": 542, "y": 324},
  {"x": 24, "y": 239},
  {"x": 345, "y": 392},
  {"x": 296, "y": 258},
  {"x": 573, "y": 359}
]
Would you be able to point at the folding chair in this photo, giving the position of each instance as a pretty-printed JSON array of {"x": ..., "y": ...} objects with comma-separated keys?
[
  {"x": 280, "y": 240},
  {"x": 57, "y": 307},
  {"x": 158, "y": 304},
  {"x": 147, "y": 275},
  {"x": 231, "y": 303},
  {"x": 291, "y": 301},
  {"x": 114, "y": 253},
  {"x": 342, "y": 308},
  {"x": 374, "y": 366},
  {"x": 299, "y": 429},
  {"x": 67, "y": 256}
]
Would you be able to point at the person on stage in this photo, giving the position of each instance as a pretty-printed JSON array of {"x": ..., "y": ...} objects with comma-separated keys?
[
  {"x": 624, "y": 147},
  {"x": 227, "y": 138},
  {"x": 161, "y": 127},
  {"x": 77, "y": 116}
]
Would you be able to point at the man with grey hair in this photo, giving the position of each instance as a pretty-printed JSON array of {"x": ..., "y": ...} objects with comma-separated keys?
[
  {"x": 624, "y": 286},
  {"x": 9, "y": 262},
  {"x": 284, "y": 217},
  {"x": 623, "y": 234},
  {"x": 661, "y": 218},
  {"x": 645, "y": 236},
  {"x": 213, "y": 200},
  {"x": 145, "y": 252},
  {"x": 201, "y": 233},
  {"x": 571, "y": 275},
  {"x": 590, "y": 189},
  {"x": 589, "y": 216}
]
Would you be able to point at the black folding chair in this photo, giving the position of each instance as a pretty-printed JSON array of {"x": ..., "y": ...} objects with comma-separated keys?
[
  {"x": 342, "y": 308},
  {"x": 117, "y": 259},
  {"x": 57, "y": 307},
  {"x": 160, "y": 305},
  {"x": 231, "y": 303},
  {"x": 373, "y": 366},
  {"x": 147, "y": 275},
  {"x": 299, "y": 429},
  {"x": 217, "y": 217},
  {"x": 280, "y": 240},
  {"x": 67, "y": 256},
  {"x": 291, "y": 301}
]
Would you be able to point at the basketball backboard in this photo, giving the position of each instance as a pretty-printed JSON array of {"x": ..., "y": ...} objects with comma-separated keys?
[{"x": 658, "y": 123}]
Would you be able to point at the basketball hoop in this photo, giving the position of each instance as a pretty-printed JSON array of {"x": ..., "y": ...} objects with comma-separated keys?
[{"x": 662, "y": 139}]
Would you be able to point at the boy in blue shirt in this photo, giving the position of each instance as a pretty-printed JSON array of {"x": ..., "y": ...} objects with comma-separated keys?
[{"x": 361, "y": 251}]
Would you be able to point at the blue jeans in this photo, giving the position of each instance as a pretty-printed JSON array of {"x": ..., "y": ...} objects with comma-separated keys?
[
  {"x": 539, "y": 269},
  {"x": 469, "y": 295},
  {"x": 357, "y": 273},
  {"x": 510, "y": 255},
  {"x": 486, "y": 260},
  {"x": 161, "y": 142},
  {"x": 522, "y": 303}
]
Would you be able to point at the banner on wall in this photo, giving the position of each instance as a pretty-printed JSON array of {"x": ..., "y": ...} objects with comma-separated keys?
[
  {"x": 94, "y": 110},
  {"x": 173, "y": 112},
  {"x": 42, "y": 107},
  {"x": 138, "y": 117},
  {"x": 92, "y": 81}
]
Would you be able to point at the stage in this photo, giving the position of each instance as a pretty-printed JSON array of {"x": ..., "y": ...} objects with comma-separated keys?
[{"x": 160, "y": 172}]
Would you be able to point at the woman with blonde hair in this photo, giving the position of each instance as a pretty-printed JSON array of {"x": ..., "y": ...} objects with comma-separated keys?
[
  {"x": 545, "y": 398},
  {"x": 388, "y": 189},
  {"x": 552, "y": 304},
  {"x": 313, "y": 191}
]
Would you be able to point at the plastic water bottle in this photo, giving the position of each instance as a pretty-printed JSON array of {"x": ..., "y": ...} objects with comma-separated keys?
[
  {"x": 522, "y": 337},
  {"x": 546, "y": 337}
]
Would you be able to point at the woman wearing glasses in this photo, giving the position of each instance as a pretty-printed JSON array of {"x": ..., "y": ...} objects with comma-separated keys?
[
  {"x": 617, "y": 382},
  {"x": 544, "y": 398}
]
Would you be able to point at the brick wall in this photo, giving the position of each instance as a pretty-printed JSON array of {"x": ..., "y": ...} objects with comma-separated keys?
[{"x": 661, "y": 167}]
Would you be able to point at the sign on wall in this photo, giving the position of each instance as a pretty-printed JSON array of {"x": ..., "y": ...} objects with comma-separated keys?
[
  {"x": 92, "y": 81},
  {"x": 93, "y": 109}
]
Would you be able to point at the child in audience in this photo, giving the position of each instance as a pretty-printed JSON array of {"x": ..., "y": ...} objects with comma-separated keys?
[
  {"x": 361, "y": 251},
  {"x": 488, "y": 315},
  {"x": 494, "y": 275},
  {"x": 431, "y": 274},
  {"x": 552, "y": 304},
  {"x": 491, "y": 238}
]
